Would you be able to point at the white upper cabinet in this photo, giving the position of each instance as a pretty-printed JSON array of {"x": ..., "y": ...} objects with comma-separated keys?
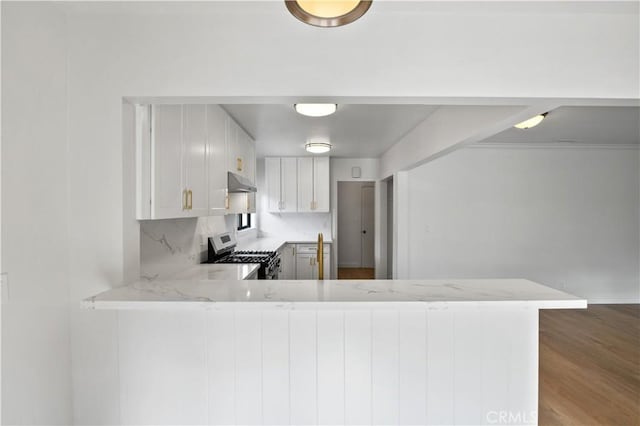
[
  {"x": 183, "y": 155},
  {"x": 168, "y": 196},
  {"x": 282, "y": 188},
  {"x": 217, "y": 153},
  {"x": 241, "y": 151},
  {"x": 195, "y": 161},
  {"x": 313, "y": 184}
]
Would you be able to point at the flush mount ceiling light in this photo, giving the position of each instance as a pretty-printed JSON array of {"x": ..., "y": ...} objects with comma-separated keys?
[
  {"x": 328, "y": 13},
  {"x": 532, "y": 122},
  {"x": 315, "y": 110},
  {"x": 318, "y": 147}
]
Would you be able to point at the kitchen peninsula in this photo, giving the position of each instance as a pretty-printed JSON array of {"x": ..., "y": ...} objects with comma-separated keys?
[{"x": 329, "y": 352}]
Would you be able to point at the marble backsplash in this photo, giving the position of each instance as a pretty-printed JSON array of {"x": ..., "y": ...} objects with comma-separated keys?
[{"x": 170, "y": 245}]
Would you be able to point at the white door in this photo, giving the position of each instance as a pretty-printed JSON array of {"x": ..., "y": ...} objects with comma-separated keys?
[
  {"x": 289, "y": 184},
  {"x": 217, "y": 159},
  {"x": 194, "y": 128},
  {"x": 321, "y": 184},
  {"x": 168, "y": 192},
  {"x": 272, "y": 176},
  {"x": 305, "y": 184},
  {"x": 367, "y": 231}
]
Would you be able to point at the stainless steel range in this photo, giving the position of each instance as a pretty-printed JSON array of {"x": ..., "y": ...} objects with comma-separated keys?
[{"x": 222, "y": 250}]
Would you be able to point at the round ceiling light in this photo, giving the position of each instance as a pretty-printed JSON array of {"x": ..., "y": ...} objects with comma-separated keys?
[
  {"x": 328, "y": 13},
  {"x": 315, "y": 110},
  {"x": 318, "y": 147},
  {"x": 532, "y": 122}
]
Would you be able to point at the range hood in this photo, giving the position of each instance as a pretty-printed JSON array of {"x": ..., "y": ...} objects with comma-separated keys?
[{"x": 237, "y": 183}]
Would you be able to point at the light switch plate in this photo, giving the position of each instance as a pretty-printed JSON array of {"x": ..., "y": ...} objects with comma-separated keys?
[{"x": 356, "y": 172}]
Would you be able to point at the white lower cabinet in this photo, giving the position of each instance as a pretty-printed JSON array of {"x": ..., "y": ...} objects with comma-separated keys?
[
  {"x": 287, "y": 262},
  {"x": 307, "y": 262}
]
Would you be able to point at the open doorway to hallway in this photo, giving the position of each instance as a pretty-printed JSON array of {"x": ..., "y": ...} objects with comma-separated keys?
[{"x": 356, "y": 234}]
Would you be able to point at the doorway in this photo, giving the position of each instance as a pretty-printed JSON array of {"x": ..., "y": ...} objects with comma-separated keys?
[{"x": 356, "y": 230}]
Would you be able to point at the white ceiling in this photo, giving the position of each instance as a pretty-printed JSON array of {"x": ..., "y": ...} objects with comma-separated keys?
[
  {"x": 579, "y": 125},
  {"x": 354, "y": 130}
]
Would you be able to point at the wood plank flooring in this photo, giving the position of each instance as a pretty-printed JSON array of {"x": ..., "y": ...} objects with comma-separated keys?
[
  {"x": 590, "y": 366},
  {"x": 356, "y": 273}
]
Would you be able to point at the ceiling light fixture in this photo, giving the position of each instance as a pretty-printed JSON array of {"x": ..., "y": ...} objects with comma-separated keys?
[
  {"x": 315, "y": 110},
  {"x": 532, "y": 122},
  {"x": 318, "y": 147},
  {"x": 328, "y": 13}
]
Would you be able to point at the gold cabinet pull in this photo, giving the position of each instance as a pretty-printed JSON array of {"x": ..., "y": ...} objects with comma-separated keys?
[
  {"x": 190, "y": 198},
  {"x": 184, "y": 199},
  {"x": 239, "y": 164}
]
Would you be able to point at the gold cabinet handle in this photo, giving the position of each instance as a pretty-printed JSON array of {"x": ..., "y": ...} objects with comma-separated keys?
[
  {"x": 239, "y": 164},
  {"x": 190, "y": 197},
  {"x": 184, "y": 199}
]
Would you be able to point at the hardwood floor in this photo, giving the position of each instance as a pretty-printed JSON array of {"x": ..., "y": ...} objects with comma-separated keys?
[
  {"x": 356, "y": 273},
  {"x": 590, "y": 366}
]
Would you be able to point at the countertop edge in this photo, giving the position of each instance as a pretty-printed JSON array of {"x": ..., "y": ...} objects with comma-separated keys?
[{"x": 333, "y": 305}]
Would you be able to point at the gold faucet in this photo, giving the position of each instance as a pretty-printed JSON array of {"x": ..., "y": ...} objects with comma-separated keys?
[{"x": 320, "y": 256}]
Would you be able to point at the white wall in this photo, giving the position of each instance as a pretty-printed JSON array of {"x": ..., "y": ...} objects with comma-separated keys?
[
  {"x": 229, "y": 49},
  {"x": 35, "y": 215},
  {"x": 567, "y": 218}
]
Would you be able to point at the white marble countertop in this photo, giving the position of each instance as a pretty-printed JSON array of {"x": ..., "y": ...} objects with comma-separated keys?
[
  {"x": 215, "y": 271},
  {"x": 272, "y": 243},
  {"x": 333, "y": 294}
]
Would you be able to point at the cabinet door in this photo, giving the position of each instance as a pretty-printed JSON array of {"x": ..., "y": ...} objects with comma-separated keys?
[
  {"x": 305, "y": 184},
  {"x": 217, "y": 159},
  {"x": 288, "y": 262},
  {"x": 326, "y": 266},
  {"x": 194, "y": 131},
  {"x": 321, "y": 184},
  {"x": 289, "y": 187},
  {"x": 168, "y": 194},
  {"x": 304, "y": 266},
  {"x": 248, "y": 156},
  {"x": 251, "y": 202},
  {"x": 242, "y": 202},
  {"x": 234, "y": 156},
  {"x": 272, "y": 177}
]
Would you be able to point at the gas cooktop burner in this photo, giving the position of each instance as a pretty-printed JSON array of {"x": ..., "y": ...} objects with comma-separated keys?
[{"x": 222, "y": 250}]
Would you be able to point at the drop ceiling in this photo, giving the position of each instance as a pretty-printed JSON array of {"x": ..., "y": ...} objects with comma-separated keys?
[{"x": 355, "y": 130}]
